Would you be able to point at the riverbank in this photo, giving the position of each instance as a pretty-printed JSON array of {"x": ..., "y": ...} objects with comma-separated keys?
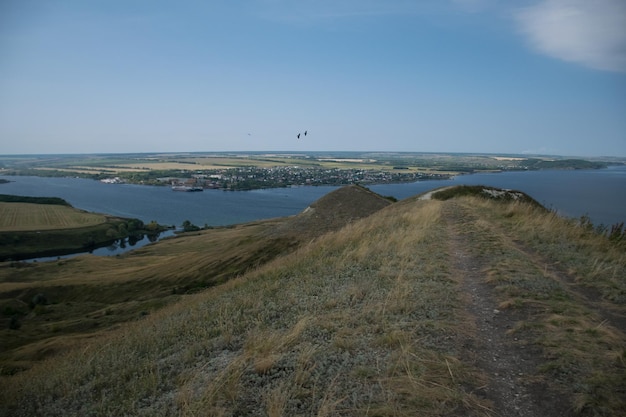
[
  {"x": 571, "y": 193},
  {"x": 33, "y": 227}
]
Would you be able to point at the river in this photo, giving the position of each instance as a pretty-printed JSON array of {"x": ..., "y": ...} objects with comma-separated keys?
[{"x": 600, "y": 194}]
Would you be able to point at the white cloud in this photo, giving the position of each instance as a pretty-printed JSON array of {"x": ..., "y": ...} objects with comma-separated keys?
[{"x": 587, "y": 32}]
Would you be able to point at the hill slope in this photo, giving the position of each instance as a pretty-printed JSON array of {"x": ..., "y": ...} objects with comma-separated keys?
[
  {"x": 88, "y": 294},
  {"x": 460, "y": 307},
  {"x": 333, "y": 211}
]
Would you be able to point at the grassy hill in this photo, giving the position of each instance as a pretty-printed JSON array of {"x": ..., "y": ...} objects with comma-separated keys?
[
  {"x": 473, "y": 305},
  {"x": 88, "y": 294}
]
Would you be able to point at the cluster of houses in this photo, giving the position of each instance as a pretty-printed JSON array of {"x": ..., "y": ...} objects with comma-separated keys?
[{"x": 246, "y": 178}]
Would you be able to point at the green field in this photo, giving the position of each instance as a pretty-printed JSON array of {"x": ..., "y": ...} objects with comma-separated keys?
[{"x": 16, "y": 217}]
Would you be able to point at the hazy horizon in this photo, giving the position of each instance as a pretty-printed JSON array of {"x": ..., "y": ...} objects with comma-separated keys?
[
  {"x": 540, "y": 77},
  {"x": 321, "y": 151}
]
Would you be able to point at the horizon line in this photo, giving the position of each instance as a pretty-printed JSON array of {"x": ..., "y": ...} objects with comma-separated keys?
[{"x": 294, "y": 152}]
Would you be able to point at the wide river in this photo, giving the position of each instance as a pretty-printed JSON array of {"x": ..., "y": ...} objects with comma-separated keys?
[{"x": 600, "y": 194}]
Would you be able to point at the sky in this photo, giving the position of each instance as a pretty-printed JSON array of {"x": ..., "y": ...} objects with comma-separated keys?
[{"x": 479, "y": 76}]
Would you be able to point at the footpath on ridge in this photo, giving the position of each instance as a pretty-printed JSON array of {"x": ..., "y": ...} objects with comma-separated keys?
[
  {"x": 478, "y": 305},
  {"x": 491, "y": 349},
  {"x": 499, "y": 344}
]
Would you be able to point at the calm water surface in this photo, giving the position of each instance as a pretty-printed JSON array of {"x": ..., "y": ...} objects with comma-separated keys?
[
  {"x": 601, "y": 194},
  {"x": 598, "y": 193},
  {"x": 167, "y": 207}
]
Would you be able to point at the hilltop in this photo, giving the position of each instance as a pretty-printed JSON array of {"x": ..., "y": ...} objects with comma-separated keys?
[
  {"x": 333, "y": 211},
  {"x": 480, "y": 304}
]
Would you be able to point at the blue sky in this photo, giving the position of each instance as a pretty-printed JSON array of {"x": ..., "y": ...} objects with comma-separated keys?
[{"x": 91, "y": 76}]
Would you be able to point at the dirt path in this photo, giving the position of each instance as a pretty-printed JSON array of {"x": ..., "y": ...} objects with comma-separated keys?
[
  {"x": 428, "y": 195},
  {"x": 506, "y": 362}
]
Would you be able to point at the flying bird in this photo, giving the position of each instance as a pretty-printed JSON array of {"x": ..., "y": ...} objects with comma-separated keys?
[
  {"x": 305, "y": 133},
  {"x": 298, "y": 136}
]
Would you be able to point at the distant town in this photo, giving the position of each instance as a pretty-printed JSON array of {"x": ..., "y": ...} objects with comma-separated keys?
[
  {"x": 250, "y": 178},
  {"x": 248, "y": 171}
]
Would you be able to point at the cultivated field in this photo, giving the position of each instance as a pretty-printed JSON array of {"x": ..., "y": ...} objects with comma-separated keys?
[
  {"x": 210, "y": 163},
  {"x": 16, "y": 217}
]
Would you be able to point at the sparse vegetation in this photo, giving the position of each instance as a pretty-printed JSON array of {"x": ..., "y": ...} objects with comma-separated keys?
[
  {"x": 482, "y": 191},
  {"x": 617, "y": 233},
  {"x": 566, "y": 282},
  {"x": 366, "y": 319}
]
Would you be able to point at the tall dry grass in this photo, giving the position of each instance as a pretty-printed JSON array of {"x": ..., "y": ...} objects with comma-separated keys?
[
  {"x": 568, "y": 284},
  {"x": 366, "y": 321},
  {"x": 590, "y": 258},
  {"x": 359, "y": 322}
]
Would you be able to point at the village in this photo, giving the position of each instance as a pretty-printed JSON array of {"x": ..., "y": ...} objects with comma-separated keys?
[{"x": 250, "y": 178}]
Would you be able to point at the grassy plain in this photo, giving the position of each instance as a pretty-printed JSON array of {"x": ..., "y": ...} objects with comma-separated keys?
[{"x": 371, "y": 319}]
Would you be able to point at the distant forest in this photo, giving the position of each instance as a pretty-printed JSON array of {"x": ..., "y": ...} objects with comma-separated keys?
[{"x": 533, "y": 163}]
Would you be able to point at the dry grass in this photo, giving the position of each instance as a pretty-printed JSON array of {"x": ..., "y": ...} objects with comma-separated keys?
[
  {"x": 589, "y": 259},
  {"x": 365, "y": 321},
  {"x": 89, "y": 294},
  {"x": 564, "y": 280},
  {"x": 360, "y": 322}
]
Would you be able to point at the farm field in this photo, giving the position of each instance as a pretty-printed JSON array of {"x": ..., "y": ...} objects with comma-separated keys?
[
  {"x": 32, "y": 227},
  {"x": 176, "y": 162},
  {"x": 16, "y": 217},
  {"x": 144, "y": 168}
]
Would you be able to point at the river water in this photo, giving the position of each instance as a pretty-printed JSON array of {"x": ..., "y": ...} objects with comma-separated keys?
[{"x": 600, "y": 194}]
